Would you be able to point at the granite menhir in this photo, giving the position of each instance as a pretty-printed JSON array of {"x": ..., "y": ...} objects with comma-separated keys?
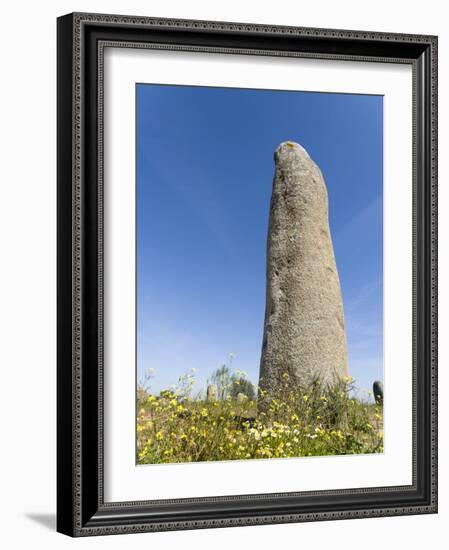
[{"x": 304, "y": 330}]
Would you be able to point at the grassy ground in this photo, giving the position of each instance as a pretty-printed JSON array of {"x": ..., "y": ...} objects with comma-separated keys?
[{"x": 309, "y": 421}]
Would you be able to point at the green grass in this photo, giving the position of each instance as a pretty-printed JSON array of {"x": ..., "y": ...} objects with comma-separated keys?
[{"x": 307, "y": 421}]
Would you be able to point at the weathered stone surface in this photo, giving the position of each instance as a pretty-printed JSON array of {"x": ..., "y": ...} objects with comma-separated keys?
[
  {"x": 304, "y": 332},
  {"x": 212, "y": 393},
  {"x": 241, "y": 398},
  {"x": 378, "y": 391}
]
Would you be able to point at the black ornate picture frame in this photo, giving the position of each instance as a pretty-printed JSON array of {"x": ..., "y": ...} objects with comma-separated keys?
[{"x": 81, "y": 508}]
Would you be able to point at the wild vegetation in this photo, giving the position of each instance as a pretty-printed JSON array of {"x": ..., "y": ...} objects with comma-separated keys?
[{"x": 180, "y": 426}]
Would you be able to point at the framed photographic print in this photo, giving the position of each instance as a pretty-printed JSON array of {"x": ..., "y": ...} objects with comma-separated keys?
[{"x": 247, "y": 285}]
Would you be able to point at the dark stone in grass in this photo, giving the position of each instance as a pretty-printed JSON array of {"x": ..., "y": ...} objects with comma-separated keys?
[
  {"x": 244, "y": 422},
  {"x": 378, "y": 391},
  {"x": 185, "y": 414}
]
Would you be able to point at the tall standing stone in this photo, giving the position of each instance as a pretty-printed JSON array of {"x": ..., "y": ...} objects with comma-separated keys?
[
  {"x": 212, "y": 393},
  {"x": 304, "y": 332}
]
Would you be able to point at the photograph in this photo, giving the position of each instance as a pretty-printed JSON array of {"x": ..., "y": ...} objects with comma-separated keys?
[
  {"x": 246, "y": 273},
  {"x": 259, "y": 273},
  {"x": 231, "y": 330}
]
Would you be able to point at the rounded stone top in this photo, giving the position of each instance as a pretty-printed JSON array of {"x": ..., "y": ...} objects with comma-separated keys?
[{"x": 290, "y": 150}]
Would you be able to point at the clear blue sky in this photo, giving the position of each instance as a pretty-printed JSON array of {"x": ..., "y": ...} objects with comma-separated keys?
[{"x": 204, "y": 177}]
